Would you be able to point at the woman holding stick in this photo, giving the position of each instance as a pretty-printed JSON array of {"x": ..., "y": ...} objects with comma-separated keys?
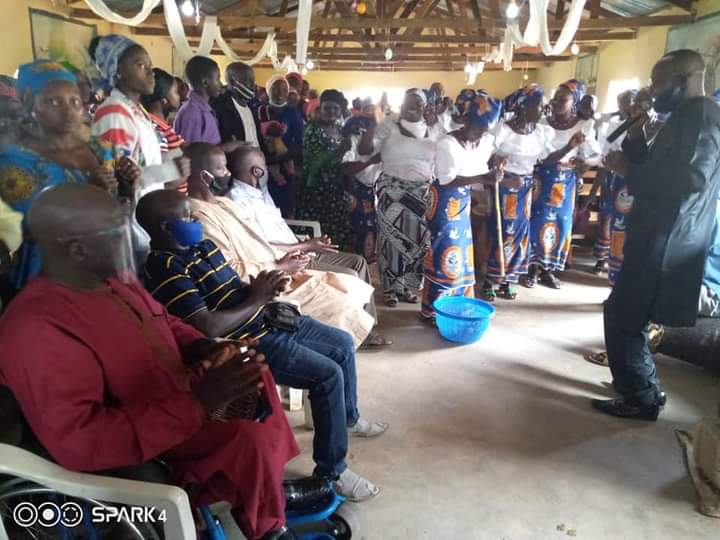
[
  {"x": 523, "y": 142},
  {"x": 461, "y": 160}
]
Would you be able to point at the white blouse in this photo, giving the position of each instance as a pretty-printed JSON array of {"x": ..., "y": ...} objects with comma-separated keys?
[
  {"x": 560, "y": 137},
  {"x": 368, "y": 175},
  {"x": 522, "y": 151},
  {"x": 405, "y": 157},
  {"x": 454, "y": 159}
]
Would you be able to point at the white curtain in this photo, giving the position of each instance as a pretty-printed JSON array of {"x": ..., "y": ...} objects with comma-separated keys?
[
  {"x": 212, "y": 34},
  {"x": 100, "y": 9},
  {"x": 475, "y": 69},
  {"x": 302, "y": 30},
  {"x": 536, "y": 32}
]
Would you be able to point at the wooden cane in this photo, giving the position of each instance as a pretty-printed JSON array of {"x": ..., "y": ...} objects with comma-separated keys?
[{"x": 498, "y": 220}]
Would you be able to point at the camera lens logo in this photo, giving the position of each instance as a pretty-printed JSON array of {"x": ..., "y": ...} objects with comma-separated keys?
[{"x": 48, "y": 514}]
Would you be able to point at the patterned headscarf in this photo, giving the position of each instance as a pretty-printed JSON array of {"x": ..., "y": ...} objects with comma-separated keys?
[
  {"x": 418, "y": 93},
  {"x": 528, "y": 94},
  {"x": 485, "y": 111},
  {"x": 463, "y": 100},
  {"x": 354, "y": 123},
  {"x": 576, "y": 88},
  {"x": 34, "y": 77},
  {"x": 109, "y": 50}
]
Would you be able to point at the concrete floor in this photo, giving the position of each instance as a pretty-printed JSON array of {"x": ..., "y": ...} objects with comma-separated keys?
[{"x": 497, "y": 440}]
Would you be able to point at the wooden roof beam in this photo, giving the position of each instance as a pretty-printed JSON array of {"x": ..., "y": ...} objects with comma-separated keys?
[
  {"x": 418, "y": 23},
  {"x": 580, "y": 37}
]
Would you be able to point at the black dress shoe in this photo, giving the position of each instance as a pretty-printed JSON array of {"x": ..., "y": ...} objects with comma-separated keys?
[
  {"x": 281, "y": 534},
  {"x": 626, "y": 409},
  {"x": 303, "y": 494}
]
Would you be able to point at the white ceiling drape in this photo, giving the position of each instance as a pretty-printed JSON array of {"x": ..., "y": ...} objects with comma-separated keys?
[
  {"x": 536, "y": 32},
  {"x": 212, "y": 34},
  {"x": 101, "y": 10}
]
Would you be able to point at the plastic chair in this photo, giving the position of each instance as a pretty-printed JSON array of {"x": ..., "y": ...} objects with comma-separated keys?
[{"x": 307, "y": 224}]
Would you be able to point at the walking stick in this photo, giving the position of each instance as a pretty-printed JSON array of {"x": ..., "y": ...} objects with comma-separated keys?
[
  {"x": 498, "y": 220},
  {"x": 499, "y": 230}
]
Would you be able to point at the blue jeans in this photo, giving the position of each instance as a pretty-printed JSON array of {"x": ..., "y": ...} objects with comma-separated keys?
[{"x": 321, "y": 359}]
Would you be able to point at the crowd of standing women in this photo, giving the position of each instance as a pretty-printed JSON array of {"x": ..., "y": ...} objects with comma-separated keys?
[{"x": 398, "y": 188}]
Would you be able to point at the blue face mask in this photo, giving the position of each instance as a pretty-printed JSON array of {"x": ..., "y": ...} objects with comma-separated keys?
[{"x": 186, "y": 233}]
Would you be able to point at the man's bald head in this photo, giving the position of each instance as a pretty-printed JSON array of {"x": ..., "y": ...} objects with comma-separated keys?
[
  {"x": 201, "y": 156},
  {"x": 241, "y": 73},
  {"x": 684, "y": 61},
  {"x": 70, "y": 210},
  {"x": 247, "y": 164},
  {"x": 83, "y": 233},
  {"x": 159, "y": 207}
]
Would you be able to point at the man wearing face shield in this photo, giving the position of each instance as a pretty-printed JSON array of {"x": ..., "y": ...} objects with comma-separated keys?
[
  {"x": 675, "y": 182},
  {"x": 106, "y": 378}
]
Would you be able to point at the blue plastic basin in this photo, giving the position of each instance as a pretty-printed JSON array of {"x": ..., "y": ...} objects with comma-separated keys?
[{"x": 462, "y": 320}]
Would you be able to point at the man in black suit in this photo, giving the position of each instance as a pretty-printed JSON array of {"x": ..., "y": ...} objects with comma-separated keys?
[{"x": 238, "y": 121}]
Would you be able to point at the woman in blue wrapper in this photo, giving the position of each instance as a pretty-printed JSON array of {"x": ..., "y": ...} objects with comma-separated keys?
[
  {"x": 574, "y": 148},
  {"x": 522, "y": 141},
  {"x": 461, "y": 160},
  {"x": 54, "y": 153}
]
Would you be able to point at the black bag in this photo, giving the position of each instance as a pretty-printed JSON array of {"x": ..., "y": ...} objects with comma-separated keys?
[{"x": 281, "y": 316}]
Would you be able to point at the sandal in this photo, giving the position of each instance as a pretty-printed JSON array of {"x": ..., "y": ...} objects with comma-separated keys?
[
  {"x": 528, "y": 281},
  {"x": 550, "y": 280},
  {"x": 391, "y": 299},
  {"x": 507, "y": 292},
  {"x": 598, "y": 358},
  {"x": 428, "y": 319},
  {"x": 375, "y": 341},
  {"x": 409, "y": 297}
]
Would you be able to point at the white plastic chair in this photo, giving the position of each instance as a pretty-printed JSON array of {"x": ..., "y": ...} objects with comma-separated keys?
[{"x": 174, "y": 501}]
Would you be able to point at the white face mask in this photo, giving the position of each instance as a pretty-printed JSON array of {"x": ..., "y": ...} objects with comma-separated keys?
[{"x": 417, "y": 129}]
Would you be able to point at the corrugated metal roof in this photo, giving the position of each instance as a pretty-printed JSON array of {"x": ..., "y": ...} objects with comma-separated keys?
[
  {"x": 207, "y": 6},
  {"x": 634, "y": 8}
]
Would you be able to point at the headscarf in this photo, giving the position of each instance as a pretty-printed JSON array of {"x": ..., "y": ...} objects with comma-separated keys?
[
  {"x": 485, "y": 111},
  {"x": 108, "y": 52},
  {"x": 270, "y": 83},
  {"x": 418, "y": 93},
  {"x": 356, "y": 121},
  {"x": 294, "y": 75},
  {"x": 527, "y": 94},
  {"x": 576, "y": 88},
  {"x": 8, "y": 87},
  {"x": 431, "y": 96},
  {"x": 34, "y": 77},
  {"x": 464, "y": 98},
  {"x": 334, "y": 96}
]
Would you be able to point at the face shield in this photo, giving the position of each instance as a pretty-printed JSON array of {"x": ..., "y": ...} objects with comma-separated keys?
[{"x": 108, "y": 252}]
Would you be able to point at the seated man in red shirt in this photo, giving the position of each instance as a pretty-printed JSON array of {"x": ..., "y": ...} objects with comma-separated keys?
[{"x": 107, "y": 378}]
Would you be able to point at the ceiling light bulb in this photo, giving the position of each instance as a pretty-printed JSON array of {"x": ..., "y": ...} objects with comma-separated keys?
[
  {"x": 526, "y": 77},
  {"x": 575, "y": 49},
  {"x": 304, "y": 71},
  {"x": 187, "y": 8},
  {"x": 512, "y": 10},
  {"x": 388, "y": 53},
  {"x": 310, "y": 64}
]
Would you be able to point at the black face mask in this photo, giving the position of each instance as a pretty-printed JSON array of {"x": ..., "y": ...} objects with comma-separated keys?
[
  {"x": 242, "y": 90},
  {"x": 220, "y": 185},
  {"x": 670, "y": 99}
]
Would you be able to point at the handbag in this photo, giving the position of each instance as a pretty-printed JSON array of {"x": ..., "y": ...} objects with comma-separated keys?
[{"x": 282, "y": 316}]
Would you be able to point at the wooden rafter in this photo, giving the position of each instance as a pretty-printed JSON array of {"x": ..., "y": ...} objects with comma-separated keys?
[{"x": 420, "y": 22}]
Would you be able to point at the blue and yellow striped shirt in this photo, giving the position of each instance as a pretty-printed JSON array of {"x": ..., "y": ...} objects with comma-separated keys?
[{"x": 198, "y": 279}]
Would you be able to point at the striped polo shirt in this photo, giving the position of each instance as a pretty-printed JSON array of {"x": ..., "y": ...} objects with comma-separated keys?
[{"x": 198, "y": 279}]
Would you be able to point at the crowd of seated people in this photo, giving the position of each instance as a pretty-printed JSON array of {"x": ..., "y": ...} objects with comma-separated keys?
[{"x": 154, "y": 293}]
